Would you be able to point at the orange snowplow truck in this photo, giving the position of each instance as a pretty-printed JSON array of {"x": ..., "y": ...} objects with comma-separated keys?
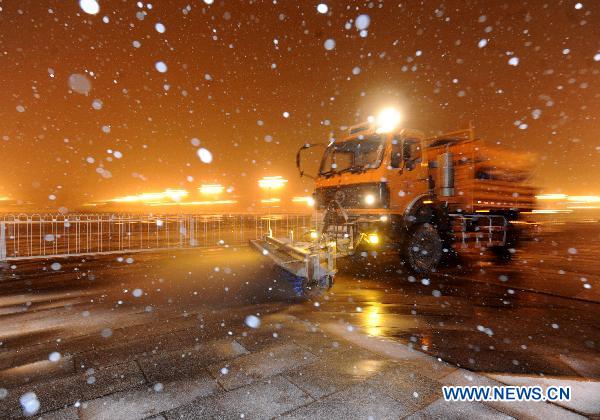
[{"x": 393, "y": 187}]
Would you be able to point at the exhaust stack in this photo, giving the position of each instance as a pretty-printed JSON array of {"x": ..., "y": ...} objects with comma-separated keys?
[{"x": 446, "y": 164}]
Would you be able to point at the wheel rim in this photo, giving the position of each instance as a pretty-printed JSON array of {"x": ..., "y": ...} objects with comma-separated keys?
[{"x": 424, "y": 249}]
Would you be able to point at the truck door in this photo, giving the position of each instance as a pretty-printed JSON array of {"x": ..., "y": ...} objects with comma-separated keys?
[{"x": 408, "y": 176}]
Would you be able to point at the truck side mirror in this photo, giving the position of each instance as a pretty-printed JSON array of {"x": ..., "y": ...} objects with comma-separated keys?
[
  {"x": 396, "y": 160},
  {"x": 301, "y": 169}
]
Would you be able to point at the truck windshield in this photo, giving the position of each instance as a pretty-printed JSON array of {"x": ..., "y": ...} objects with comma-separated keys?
[{"x": 357, "y": 155}]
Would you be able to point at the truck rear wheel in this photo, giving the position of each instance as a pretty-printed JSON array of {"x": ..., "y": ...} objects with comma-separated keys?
[{"x": 423, "y": 248}]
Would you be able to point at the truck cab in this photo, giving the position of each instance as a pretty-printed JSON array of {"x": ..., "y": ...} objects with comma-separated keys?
[
  {"x": 365, "y": 167},
  {"x": 426, "y": 196}
]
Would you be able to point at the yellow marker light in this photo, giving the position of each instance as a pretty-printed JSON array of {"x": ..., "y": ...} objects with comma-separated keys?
[
  {"x": 388, "y": 120},
  {"x": 373, "y": 238},
  {"x": 369, "y": 199},
  {"x": 314, "y": 234}
]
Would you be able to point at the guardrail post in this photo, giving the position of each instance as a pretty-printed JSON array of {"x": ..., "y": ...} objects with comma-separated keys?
[
  {"x": 192, "y": 231},
  {"x": 2, "y": 241},
  {"x": 182, "y": 232},
  {"x": 331, "y": 251}
]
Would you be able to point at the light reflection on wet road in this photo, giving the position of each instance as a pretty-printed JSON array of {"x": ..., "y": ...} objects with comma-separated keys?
[{"x": 493, "y": 324}]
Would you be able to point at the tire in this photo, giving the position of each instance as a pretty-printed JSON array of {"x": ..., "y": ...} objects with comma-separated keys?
[
  {"x": 423, "y": 249},
  {"x": 505, "y": 253},
  {"x": 502, "y": 253}
]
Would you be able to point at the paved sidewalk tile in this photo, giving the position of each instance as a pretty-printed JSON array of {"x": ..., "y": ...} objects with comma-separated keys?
[
  {"x": 187, "y": 364},
  {"x": 263, "y": 399},
  {"x": 127, "y": 350},
  {"x": 112, "y": 379},
  {"x": 268, "y": 362},
  {"x": 446, "y": 410},
  {"x": 585, "y": 395},
  {"x": 337, "y": 371},
  {"x": 69, "y": 413},
  {"x": 59, "y": 393},
  {"x": 432, "y": 367},
  {"x": 7, "y": 359},
  {"x": 586, "y": 365},
  {"x": 314, "y": 341},
  {"x": 36, "y": 371},
  {"x": 404, "y": 384},
  {"x": 518, "y": 409},
  {"x": 360, "y": 401},
  {"x": 146, "y": 401}
]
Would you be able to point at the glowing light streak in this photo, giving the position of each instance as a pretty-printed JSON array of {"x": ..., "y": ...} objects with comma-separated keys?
[
  {"x": 210, "y": 189},
  {"x": 194, "y": 203},
  {"x": 551, "y": 196},
  {"x": 172, "y": 194},
  {"x": 308, "y": 200},
  {"x": 272, "y": 182}
]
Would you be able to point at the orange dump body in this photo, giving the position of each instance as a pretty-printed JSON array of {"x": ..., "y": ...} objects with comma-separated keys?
[{"x": 486, "y": 177}]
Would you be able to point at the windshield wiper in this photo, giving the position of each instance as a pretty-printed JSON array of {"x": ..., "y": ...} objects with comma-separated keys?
[
  {"x": 353, "y": 169},
  {"x": 327, "y": 173},
  {"x": 341, "y": 171}
]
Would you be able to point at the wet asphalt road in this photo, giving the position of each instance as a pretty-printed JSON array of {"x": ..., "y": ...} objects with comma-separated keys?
[{"x": 532, "y": 315}]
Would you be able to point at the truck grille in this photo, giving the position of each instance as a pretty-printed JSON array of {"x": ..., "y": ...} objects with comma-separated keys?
[{"x": 353, "y": 196}]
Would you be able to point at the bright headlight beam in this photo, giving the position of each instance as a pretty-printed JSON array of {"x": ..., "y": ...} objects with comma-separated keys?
[
  {"x": 388, "y": 120},
  {"x": 373, "y": 238},
  {"x": 369, "y": 199}
]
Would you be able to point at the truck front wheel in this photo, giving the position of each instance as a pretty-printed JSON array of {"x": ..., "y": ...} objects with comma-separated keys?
[{"x": 423, "y": 248}]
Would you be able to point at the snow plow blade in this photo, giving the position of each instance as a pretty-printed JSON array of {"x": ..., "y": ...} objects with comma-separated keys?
[{"x": 300, "y": 259}]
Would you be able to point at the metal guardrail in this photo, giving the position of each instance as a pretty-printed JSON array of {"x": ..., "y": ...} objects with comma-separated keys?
[{"x": 26, "y": 236}]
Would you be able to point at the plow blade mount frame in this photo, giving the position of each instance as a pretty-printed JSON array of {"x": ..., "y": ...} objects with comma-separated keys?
[{"x": 318, "y": 268}]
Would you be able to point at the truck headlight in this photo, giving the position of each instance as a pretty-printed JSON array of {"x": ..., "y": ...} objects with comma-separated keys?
[
  {"x": 369, "y": 199},
  {"x": 373, "y": 238}
]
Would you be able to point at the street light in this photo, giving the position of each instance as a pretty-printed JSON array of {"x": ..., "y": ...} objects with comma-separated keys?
[{"x": 270, "y": 183}]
